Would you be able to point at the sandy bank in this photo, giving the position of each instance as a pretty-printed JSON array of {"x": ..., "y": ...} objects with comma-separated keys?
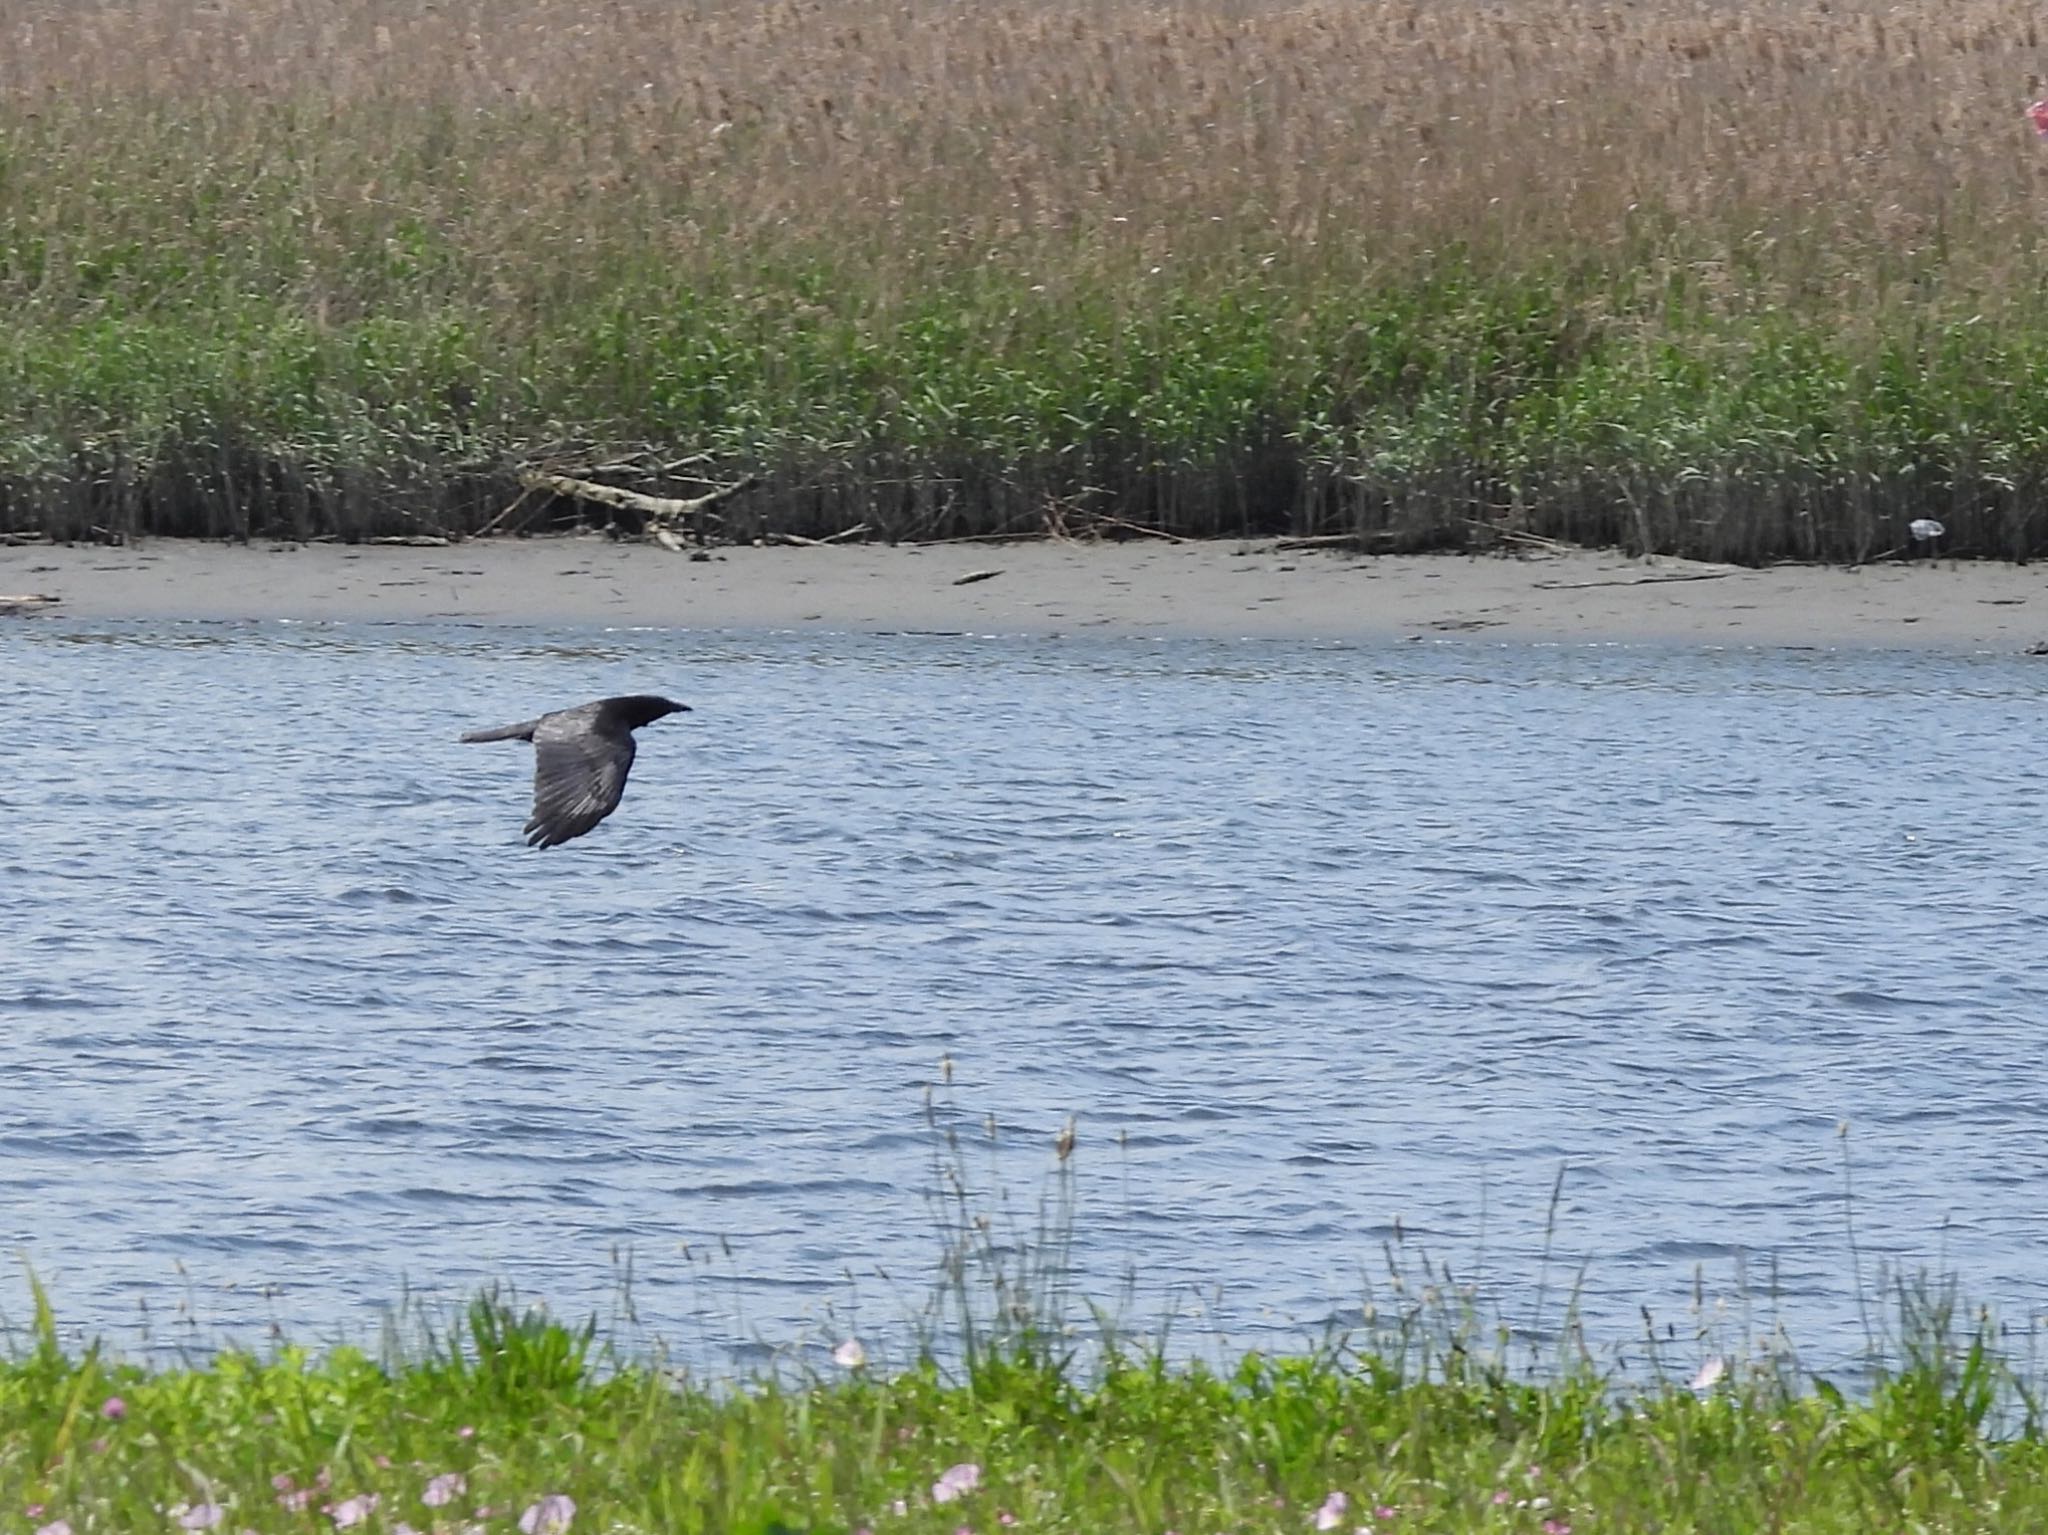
[{"x": 1219, "y": 589}]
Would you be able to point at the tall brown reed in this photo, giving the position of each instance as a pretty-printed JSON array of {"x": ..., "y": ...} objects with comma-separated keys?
[
  {"x": 532, "y": 130},
  {"x": 492, "y": 167}
]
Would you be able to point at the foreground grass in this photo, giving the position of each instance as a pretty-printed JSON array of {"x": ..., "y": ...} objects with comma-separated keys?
[
  {"x": 1733, "y": 282},
  {"x": 514, "y": 1424},
  {"x": 1010, "y": 1416}
]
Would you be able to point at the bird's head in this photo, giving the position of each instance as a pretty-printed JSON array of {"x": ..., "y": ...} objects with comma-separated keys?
[{"x": 645, "y": 708}]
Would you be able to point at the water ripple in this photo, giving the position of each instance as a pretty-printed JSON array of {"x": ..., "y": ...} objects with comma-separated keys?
[{"x": 1313, "y": 940}]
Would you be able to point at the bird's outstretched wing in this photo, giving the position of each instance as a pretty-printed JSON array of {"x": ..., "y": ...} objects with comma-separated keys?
[
  {"x": 523, "y": 731},
  {"x": 578, "y": 776}
]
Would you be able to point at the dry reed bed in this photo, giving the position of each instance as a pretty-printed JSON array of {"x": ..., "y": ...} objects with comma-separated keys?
[{"x": 1741, "y": 281}]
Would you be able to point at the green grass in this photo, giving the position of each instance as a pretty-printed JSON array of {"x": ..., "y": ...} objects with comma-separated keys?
[
  {"x": 1010, "y": 1413},
  {"x": 514, "y": 1408},
  {"x": 1421, "y": 412}
]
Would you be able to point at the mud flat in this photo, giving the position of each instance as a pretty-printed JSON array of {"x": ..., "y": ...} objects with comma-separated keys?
[{"x": 1217, "y": 589}]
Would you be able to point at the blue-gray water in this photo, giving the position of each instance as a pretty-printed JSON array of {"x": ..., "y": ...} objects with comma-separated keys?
[{"x": 290, "y": 1020}]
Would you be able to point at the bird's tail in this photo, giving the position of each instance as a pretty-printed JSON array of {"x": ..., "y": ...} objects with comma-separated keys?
[{"x": 520, "y": 732}]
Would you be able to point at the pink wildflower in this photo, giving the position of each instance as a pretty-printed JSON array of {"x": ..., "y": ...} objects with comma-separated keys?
[
  {"x": 444, "y": 1489},
  {"x": 113, "y": 1407},
  {"x": 550, "y": 1516},
  {"x": 1556, "y": 1527},
  {"x": 200, "y": 1516},
  {"x": 55, "y": 1527},
  {"x": 1331, "y": 1514},
  {"x": 353, "y": 1511},
  {"x": 956, "y": 1481},
  {"x": 1502, "y": 1497}
]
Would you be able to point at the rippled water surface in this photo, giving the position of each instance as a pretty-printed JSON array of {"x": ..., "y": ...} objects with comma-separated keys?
[{"x": 1327, "y": 937}]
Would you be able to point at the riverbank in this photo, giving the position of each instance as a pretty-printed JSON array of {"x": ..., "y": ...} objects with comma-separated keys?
[
  {"x": 516, "y": 1422},
  {"x": 1223, "y": 589}
]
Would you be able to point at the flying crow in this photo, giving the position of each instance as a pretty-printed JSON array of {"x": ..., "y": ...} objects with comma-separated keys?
[{"x": 580, "y": 760}]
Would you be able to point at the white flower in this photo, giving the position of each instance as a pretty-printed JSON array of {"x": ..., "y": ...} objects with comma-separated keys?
[
  {"x": 353, "y": 1511},
  {"x": 550, "y": 1516},
  {"x": 956, "y": 1481}
]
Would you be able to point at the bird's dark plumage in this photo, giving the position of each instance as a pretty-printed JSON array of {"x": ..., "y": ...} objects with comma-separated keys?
[{"x": 580, "y": 760}]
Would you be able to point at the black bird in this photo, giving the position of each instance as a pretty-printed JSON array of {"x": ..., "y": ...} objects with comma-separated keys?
[{"x": 580, "y": 760}]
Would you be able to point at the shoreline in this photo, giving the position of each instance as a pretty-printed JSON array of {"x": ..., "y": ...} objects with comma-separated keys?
[{"x": 1218, "y": 589}]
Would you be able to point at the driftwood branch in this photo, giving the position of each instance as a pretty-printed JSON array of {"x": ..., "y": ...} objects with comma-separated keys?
[
  {"x": 662, "y": 512},
  {"x": 976, "y": 538},
  {"x": 1335, "y": 541},
  {"x": 1118, "y": 525},
  {"x": 1379, "y": 538},
  {"x": 525, "y": 494},
  {"x": 1577, "y": 586},
  {"x": 1517, "y": 536},
  {"x": 797, "y": 540}
]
